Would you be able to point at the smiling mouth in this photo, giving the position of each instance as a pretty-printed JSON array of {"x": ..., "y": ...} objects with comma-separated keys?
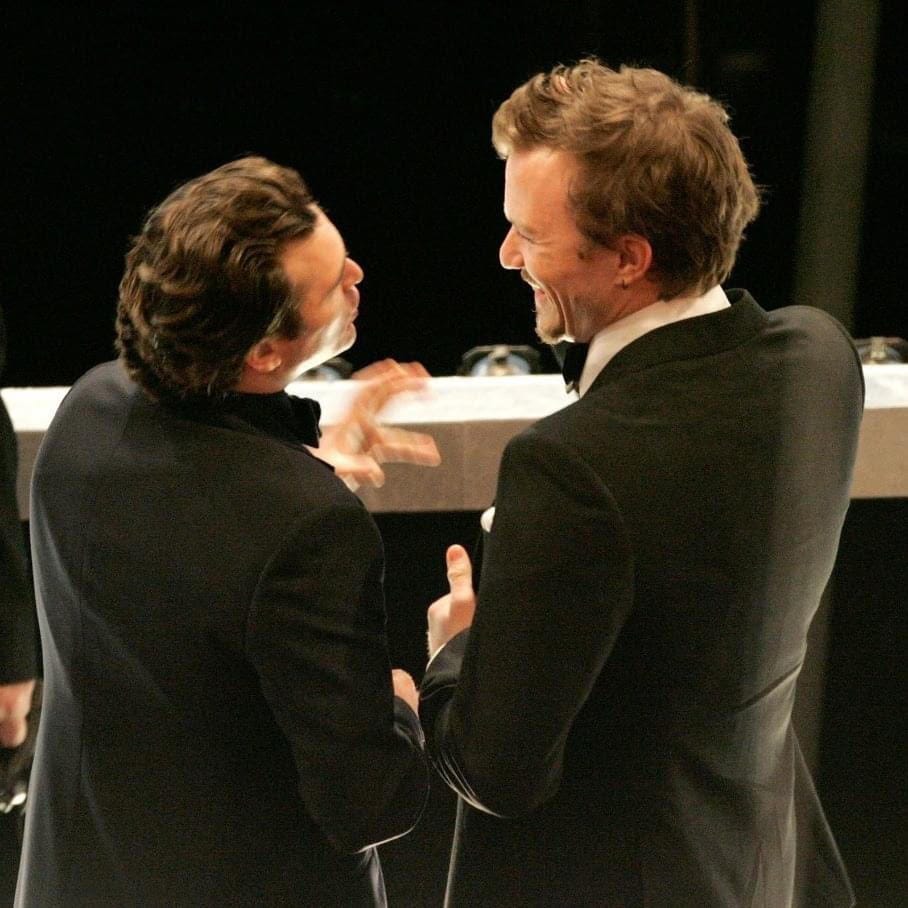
[{"x": 538, "y": 292}]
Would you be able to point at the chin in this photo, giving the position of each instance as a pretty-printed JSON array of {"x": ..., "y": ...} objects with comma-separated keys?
[
  {"x": 347, "y": 341},
  {"x": 550, "y": 327},
  {"x": 550, "y": 334}
]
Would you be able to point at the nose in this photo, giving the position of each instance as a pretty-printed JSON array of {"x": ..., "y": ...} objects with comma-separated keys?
[
  {"x": 354, "y": 273},
  {"x": 509, "y": 253}
]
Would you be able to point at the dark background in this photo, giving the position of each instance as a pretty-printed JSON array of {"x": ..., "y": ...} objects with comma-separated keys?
[{"x": 386, "y": 112}]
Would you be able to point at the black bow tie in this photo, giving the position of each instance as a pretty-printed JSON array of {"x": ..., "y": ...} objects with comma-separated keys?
[
  {"x": 306, "y": 413},
  {"x": 572, "y": 368},
  {"x": 282, "y": 415}
]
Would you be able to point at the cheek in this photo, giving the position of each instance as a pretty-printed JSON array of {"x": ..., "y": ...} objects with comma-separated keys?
[
  {"x": 322, "y": 320},
  {"x": 562, "y": 284},
  {"x": 544, "y": 273},
  {"x": 334, "y": 326},
  {"x": 340, "y": 318}
]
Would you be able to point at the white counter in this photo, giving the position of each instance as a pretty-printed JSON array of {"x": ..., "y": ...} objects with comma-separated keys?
[{"x": 472, "y": 420}]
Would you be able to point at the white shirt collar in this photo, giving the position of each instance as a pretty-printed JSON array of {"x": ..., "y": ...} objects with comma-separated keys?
[{"x": 618, "y": 335}]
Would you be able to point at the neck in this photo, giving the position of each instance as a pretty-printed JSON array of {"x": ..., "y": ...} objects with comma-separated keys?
[
  {"x": 252, "y": 382},
  {"x": 631, "y": 300}
]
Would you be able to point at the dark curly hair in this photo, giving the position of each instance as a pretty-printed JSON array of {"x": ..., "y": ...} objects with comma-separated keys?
[
  {"x": 656, "y": 158},
  {"x": 203, "y": 280}
]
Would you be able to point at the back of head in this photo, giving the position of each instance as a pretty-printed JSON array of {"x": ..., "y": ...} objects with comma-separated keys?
[
  {"x": 657, "y": 159},
  {"x": 203, "y": 280}
]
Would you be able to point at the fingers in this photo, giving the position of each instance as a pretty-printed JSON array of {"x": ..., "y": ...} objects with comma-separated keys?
[
  {"x": 453, "y": 612},
  {"x": 386, "y": 367},
  {"x": 13, "y": 732},
  {"x": 405, "y": 688},
  {"x": 358, "y": 443},
  {"x": 385, "y": 379},
  {"x": 436, "y": 623},
  {"x": 359, "y": 429},
  {"x": 359, "y": 469},
  {"x": 380, "y": 369},
  {"x": 401, "y": 678},
  {"x": 403, "y": 446},
  {"x": 374, "y": 395},
  {"x": 373, "y": 370},
  {"x": 381, "y": 381},
  {"x": 416, "y": 369},
  {"x": 460, "y": 573},
  {"x": 15, "y": 703}
]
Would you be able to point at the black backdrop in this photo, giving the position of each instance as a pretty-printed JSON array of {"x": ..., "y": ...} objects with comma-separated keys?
[{"x": 386, "y": 112}]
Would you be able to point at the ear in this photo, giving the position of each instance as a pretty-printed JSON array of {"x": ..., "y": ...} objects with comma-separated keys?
[
  {"x": 264, "y": 357},
  {"x": 635, "y": 256}
]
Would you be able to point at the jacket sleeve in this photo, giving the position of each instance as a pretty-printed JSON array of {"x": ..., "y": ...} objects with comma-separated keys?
[
  {"x": 18, "y": 643},
  {"x": 317, "y": 640},
  {"x": 498, "y": 702}
]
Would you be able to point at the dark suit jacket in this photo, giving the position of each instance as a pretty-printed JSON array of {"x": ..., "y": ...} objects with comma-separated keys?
[
  {"x": 219, "y": 724},
  {"x": 17, "y": 606},
  {"x": 18, "y": 658},
  {"x": 624, "y": 695}
]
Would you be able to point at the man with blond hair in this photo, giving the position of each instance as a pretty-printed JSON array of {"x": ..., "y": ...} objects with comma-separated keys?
[{"x": 614, "y": 704}]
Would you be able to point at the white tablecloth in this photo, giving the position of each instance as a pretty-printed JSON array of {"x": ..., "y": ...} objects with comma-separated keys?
[{"x": 473, "y": 418}]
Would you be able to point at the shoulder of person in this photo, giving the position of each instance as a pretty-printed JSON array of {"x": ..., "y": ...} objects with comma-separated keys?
[{"x": 817, "y": 321}]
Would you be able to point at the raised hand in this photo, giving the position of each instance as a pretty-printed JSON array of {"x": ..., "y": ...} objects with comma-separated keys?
[
  {"x": 453, "y": 612},
  {"x": 358, "y": 444}
]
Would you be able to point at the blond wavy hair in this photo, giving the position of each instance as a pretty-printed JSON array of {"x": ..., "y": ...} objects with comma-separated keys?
[{"x": 657, "y": 159}]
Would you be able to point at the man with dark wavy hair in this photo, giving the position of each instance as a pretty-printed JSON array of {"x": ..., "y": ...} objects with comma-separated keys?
[
  {"x": 615, "y": 709},
  {"x": 221, "y": 723}
]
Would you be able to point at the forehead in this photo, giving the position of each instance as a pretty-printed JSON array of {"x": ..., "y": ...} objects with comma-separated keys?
[
  {"x": 537, "y": 182},
  {"x": 312, "y": 263}
]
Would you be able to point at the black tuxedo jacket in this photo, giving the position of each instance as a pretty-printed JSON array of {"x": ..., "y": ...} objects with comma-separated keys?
[
  {"x": 618, "y": 719},
  {"x": 17, "y": 607},
  {"x": 219, "y": 724}
]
